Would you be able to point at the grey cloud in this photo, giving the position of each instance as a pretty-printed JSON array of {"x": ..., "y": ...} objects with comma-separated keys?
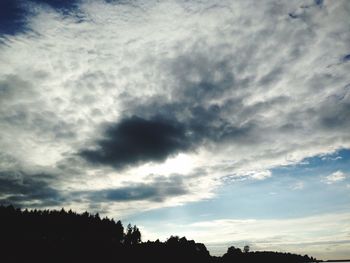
[
  {"x": 42, "y": 123},
  {"x": 137, "y": 140},
  {"x": 207, "y": 102},
  {"x": 200, "y": 76},
  {"x": 29, "y": 190},
  {"x": 319, "y": 2},
  {"x": 14, "y": 87},
  {"x": 21, "y": 108},
  {"x": 335, "y": 113},
  {"x": 292, "y": 15},
  {"x": 207, "y": 97},
  {"x": 158, "y": 190}
]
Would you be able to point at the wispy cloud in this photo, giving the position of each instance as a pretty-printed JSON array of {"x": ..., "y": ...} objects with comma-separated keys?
[
  {"x": 335, "y": 177},
  {"x": 298, "y": 186},
  {"x": 331, "y": 158},
  {"x": 312, "y": 233}
]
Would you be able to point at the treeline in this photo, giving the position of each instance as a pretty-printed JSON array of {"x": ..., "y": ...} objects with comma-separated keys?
[
  {"x": 64, "y": 225},
  {"x": 236, "y": 255},
  {"x": 65, "y": 236}
]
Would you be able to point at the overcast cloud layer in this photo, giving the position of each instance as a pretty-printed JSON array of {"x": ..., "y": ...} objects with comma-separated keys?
[{"x": 123, "y": 106}]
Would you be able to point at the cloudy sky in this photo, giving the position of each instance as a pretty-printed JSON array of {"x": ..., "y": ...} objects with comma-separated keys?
[{"x": 224, "y": 121}]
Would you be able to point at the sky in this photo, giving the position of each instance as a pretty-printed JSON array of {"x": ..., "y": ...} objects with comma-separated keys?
[{"x": 223, "y": 121}]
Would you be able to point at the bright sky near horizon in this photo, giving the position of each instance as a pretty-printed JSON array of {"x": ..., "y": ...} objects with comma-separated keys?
[{"x": 223, "y": 121}]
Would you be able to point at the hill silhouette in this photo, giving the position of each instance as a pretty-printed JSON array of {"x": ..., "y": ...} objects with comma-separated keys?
[{"x": 65, "y": 236}]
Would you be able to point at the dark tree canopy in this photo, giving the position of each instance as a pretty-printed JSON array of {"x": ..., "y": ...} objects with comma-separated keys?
[{"x": 65, "y": 236}]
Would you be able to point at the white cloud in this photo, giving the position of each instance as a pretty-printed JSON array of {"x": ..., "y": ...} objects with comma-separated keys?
[
  {"x": 330, "y": 158},
  {"x": 335, "y": 177},
  {"x": 298, "y": 186}
]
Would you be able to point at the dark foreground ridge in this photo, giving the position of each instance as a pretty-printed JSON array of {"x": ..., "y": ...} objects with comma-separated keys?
[{"x": 61, "y": 236}]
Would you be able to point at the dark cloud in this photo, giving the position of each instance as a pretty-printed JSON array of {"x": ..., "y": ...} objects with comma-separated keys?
[
  {"x": 134, "y": 140},
  {"x": 21, "y": 189},
  {"x": 137, "y": 140},
  {"x": 346, "y": 58},
  {"x": 319, "y": 2},
  {"x": 335, "y": 116},
  {"x": 158, "y": 190},
  {"x": 35, "y": 190},
  {"x": 292, "y": 15},
  {"x": 201, "y": 111}
]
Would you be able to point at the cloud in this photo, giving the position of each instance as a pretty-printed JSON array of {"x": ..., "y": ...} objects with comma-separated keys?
[
  {"x": 335, "y": 177},
  {"x": 135, "y": 140},
  {"x": 298, "y": 186},
  {"x": 298, "y": 235},
  {"x": 346, "y": 58},
  {"x": 253, "y": 174},
  {"x": 331, "y": 158},
  {"x": 27, "y": 190},
  {"x": 128, "y": 106},
  {"x": 15, "y": 14},
  {"x": 64, "y": 5},
  {"x": 99, "y": 93},
  {"x": 157, "y": 190},
  {"x": 319, "y": 2}
]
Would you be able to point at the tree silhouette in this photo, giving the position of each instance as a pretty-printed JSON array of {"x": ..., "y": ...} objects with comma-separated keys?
[
  {"x": 234, "y": 251},
  {"x": 246, "y": 249},
  {"x": 128, "y": 235},
  {"x": 135, "y": 236},
  {"x": 65, "y": 236}
]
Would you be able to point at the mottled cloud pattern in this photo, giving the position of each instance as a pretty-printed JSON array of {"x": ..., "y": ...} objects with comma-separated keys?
[{"x": 108, "y": 98}]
